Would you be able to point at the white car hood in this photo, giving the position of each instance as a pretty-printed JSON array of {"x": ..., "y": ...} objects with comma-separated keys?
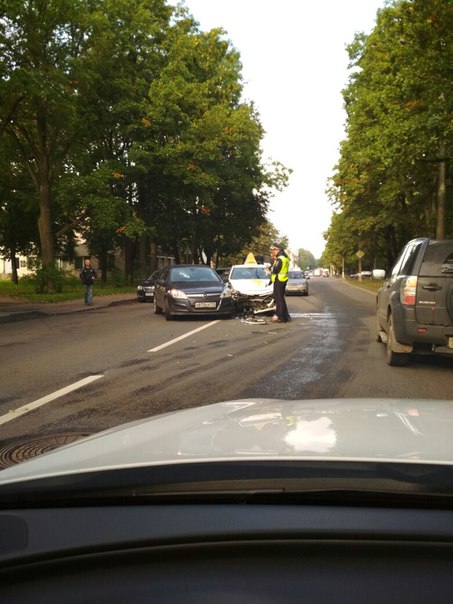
[
  {"x": 401, "y": 430},
  {"x": 252, "y": 287}
]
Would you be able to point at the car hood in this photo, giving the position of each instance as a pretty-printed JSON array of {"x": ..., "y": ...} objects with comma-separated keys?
[
  {"x": 256, "y": 429},
  {"x": 197, "y": 287},
  {"x": 251, "y": 287}
]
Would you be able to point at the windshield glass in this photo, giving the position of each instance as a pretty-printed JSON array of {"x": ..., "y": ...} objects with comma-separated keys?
[
  {"x": 193, "y": 273},
  {"x": 249, "y": 272},
  {"x": 438, "y": 260},
  {"x": 302, "y": 150}
]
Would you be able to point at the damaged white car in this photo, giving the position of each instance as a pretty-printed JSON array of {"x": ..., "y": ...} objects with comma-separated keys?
[{"x": 250, "y": 289}]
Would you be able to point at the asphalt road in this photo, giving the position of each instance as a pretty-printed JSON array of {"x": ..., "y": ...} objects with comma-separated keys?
[{"x": 124, "y": 363}]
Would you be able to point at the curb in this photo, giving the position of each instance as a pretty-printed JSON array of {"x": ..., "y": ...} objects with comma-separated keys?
[{"x": 24, "y": 315}]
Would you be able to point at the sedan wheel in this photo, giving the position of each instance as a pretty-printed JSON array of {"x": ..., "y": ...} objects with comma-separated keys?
[
  {"x": 168, "y": 314},
  {"x": 157, "y": 309},
  {"x": 395, "y": 359}
]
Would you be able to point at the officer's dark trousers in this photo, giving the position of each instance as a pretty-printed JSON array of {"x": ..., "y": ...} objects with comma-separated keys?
[{"x": 280, "y": 302}]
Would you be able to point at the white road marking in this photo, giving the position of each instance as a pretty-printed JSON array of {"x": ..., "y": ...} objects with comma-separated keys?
[
  {"x": 186, "y": 335},
  {"x": 47, "y": 399}
]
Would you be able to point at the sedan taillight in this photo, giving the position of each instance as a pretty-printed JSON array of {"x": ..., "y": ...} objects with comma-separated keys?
[{"x": 408, "y": 290}]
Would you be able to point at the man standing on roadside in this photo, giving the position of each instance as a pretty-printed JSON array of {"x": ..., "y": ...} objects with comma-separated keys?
[
  {"x": 87, "y": 276},
  {"x": 279, "y": 277}
]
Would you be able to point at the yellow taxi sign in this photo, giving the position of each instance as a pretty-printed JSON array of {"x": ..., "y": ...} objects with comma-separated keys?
[{"x": 250, "y": 259}]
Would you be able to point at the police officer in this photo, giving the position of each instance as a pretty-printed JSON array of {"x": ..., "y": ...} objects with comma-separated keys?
[{"x": 279, "y": 277}]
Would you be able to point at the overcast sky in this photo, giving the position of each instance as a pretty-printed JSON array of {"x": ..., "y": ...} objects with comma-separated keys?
[{"x": 294, "y": 67}]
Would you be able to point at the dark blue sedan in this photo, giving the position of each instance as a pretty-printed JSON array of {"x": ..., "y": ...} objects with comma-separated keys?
[{"x": 191, "y": 289}]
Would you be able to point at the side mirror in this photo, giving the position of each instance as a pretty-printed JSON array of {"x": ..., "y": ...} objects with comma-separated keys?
[{"x": 378, "y": 274}]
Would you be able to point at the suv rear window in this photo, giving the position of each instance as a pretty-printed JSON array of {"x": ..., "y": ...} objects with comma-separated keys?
[{"x": 438, "y": 261}]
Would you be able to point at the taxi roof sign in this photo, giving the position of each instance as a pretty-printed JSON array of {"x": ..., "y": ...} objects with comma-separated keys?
[{"x": 250, "y": 259}]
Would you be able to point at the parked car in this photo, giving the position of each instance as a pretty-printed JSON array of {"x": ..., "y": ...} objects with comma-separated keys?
[
  {"x": 145, "y": 291},
  {"x": 189, "y": 289},
  {"x": 414, "y": 307},
  {"x": 363, "y": 275},
  {"x": 250, "y": 288},
  {"x": 297, "y": 283}
]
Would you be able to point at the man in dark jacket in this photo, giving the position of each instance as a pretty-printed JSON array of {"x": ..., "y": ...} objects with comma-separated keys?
[
  {"x": 87, "y": 276},
  {"x": 279, "y": 277}
]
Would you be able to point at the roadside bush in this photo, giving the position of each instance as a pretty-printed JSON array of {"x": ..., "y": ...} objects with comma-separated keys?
[
  {"x": 45, "y": 280},
  {"x": 118, "y": 278}
]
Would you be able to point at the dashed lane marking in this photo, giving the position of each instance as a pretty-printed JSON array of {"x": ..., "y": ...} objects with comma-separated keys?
[
  {"x": 186, "y": 335},
  {"x": 47, "y": 399}
]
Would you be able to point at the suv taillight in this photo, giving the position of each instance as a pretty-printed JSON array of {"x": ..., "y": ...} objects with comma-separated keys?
[{"x": 408, "y": 290}]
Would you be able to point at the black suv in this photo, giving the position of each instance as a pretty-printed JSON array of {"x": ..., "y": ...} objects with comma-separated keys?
[{"x": 415, "y": 304}]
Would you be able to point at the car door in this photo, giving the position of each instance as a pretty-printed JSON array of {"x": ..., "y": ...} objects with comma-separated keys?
[{"x": 389, "y": 294}]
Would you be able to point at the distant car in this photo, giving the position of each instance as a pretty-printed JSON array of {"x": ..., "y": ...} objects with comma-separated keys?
[
  {"x": 297, "y": 283},
  {"x": 363, "y": 275},
  {"x": 191, "y": 289},
  {"x": 414, "y": 307},
  {"x": 250, "y": 288},
  {"x": 145, "y": 291}
]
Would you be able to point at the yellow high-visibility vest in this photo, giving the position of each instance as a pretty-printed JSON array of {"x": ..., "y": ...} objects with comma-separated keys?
[{"x": 283, "y": 274}]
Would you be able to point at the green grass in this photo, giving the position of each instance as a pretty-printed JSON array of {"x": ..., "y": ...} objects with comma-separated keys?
[
  {"x": 72, "y": 290},
  {"x": 369, "y": 284}
]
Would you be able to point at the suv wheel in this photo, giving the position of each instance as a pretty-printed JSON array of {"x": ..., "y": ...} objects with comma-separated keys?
[
  {"x": 395, "y": 359},
  {"x": 377, "y": 326}
]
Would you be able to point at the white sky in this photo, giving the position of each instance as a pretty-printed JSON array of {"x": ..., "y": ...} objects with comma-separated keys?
[{"x": 294, "y": 68}]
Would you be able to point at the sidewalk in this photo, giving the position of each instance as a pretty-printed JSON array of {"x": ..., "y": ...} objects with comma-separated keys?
[{"x": 20, "y": 310}]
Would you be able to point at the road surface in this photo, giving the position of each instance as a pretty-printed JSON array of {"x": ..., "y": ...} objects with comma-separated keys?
[{"x": 67, "y": 376}]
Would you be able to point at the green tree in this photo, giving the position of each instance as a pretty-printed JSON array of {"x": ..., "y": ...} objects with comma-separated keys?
[
  {"x": 18, "y": 215},
  {"x": 306, "y": 259},
  {"x": 41, "y": 82},
  {"x": 390, "y": 181},
  {"x": 128, "y": 55},
  {"x": 72, "y": 81},
  {"x": 129, "y": 123},
  {"x": 207, "y": 188}
]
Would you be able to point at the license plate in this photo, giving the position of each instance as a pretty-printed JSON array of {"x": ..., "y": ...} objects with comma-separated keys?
[
  {"x": 148, "y": 293},
  {"x": 450, "y": 342},
  {"x": 205, "y": 304}
]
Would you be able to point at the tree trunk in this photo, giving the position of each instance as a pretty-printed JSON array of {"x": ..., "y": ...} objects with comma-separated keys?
[
  {"x": 103, "y": 264},
  {"x": 441, "y": 194},
  {"x": 45, "y": 226},
  {"x": 153, "y": 256},
  {"x": 143, "y": 256},
  {"x": 45, "y": 218},
  {"x": 15, "y": 277}
]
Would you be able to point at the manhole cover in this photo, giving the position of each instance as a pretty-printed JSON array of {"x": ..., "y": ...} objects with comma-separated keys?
[{"x": 18, "y": 452}]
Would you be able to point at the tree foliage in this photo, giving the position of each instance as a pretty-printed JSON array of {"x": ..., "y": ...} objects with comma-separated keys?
[
  {"x": 391, "y": 180},
  {"x": 129, "y": 124},
  {"x": 306, "y": 260}
]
